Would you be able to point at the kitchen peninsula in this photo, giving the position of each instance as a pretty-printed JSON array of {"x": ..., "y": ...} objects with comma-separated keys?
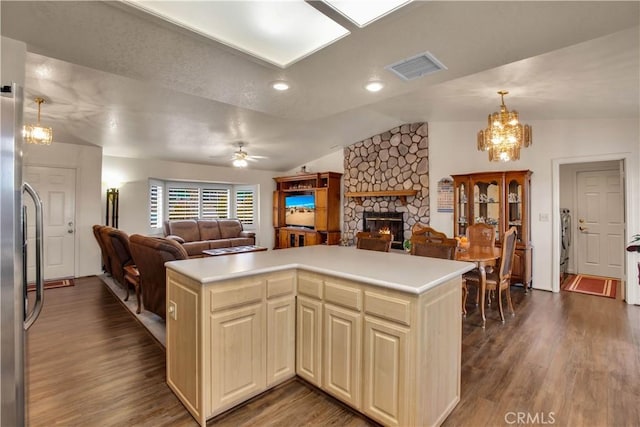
[{"x": 379, "y": 331}]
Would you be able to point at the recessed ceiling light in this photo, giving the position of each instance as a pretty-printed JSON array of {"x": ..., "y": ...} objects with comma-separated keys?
[
  {"x": 280, "y": 85},
  {"x": 374, "y": 86}
]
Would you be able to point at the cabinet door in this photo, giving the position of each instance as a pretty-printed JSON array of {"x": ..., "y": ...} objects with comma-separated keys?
[
  {"x": 321, "y": 219},
  {"x": 460, "y": 205},
  {"x": 487, "y": 202},
  {"x": 283, "y": 237},
  {"x": 237, "y": 355},
  {"x": 517, "y": 204},
  {"x": 310, "y": 239},
  {"x": 385, "y": 366},
  {"x": 342, "y": 354},
  {"x": 309, "y": 340},
  {"x": 280, "y": 339}
]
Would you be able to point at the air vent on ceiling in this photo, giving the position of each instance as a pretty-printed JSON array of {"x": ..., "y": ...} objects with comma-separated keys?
[{"x": 416, "y": 66}]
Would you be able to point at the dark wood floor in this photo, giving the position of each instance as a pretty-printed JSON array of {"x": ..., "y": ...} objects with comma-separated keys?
[{"x": 567, "y": 359}]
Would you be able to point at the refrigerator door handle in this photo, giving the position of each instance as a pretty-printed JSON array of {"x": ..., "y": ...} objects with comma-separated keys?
[{"x": 30, "y": 318}]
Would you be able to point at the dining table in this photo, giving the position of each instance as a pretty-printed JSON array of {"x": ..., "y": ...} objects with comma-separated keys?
[{"x": 484, "y": 257}]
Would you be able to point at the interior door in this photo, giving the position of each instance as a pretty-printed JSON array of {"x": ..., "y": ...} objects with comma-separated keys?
[
  {"x": 57, "y": 189},
  {"x": 599, "y": 224}
]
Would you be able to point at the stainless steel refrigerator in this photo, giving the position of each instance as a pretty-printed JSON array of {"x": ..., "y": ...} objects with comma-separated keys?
[{"x": 17, "y": 314}]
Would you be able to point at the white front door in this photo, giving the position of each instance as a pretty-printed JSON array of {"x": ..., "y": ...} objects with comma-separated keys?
[
  {"x": 57, "y": 189},
  {"x": 599, "y": 226}
]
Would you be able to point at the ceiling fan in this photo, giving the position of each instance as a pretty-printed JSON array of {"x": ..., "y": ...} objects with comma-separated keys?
[{"x": 240, "y": 157}]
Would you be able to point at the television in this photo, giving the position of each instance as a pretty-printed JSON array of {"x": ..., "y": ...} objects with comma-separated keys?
[{"x": 300, "y": 210}]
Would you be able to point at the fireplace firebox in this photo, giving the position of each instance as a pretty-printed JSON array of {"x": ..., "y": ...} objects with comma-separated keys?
[{"x": 386, "y": 222}]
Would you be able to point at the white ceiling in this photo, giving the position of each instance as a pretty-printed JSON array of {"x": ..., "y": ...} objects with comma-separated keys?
[{"x": 138, "y": 86}]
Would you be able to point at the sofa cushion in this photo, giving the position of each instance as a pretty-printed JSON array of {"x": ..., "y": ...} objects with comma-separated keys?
[
  {"x": 229, "y": 228},
  {"x": 242, "y": 241},
  {"x": 186, "y": 228},
  {"x": 220, "y": 243},
  {"x": 209, "y": 229},
  {"x": 195, "y": 248}
]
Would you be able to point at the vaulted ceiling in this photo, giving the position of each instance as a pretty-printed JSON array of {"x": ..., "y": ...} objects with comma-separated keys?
[{"x": 138, "y": 86}]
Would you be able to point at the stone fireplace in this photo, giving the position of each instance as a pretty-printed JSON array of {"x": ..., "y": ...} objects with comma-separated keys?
[
  {"x": 396, "y": 160},
  {"x": 393, "y": 222}
]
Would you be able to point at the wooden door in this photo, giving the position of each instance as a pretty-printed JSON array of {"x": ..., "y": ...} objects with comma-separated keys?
[
  {"x": 600, "y": 223},
  {"x": 281, "y": 339},
  {"x": 385, "y": 368},
  {"x": 237, "y": 355},
  {"x": 342, "y": 354},
  {"x": 309, "y": 340},
  {"x": 57, "y": 189}
]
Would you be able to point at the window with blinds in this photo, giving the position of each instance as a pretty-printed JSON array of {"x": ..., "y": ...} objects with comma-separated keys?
[
  {"x": 155, "y": 206},
  {"x": 215, "y": 203},
  {"x": 245, "y": 206},
  {"x": 183, "y": 203}
]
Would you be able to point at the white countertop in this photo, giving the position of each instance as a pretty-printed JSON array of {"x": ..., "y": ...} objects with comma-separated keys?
[{"x": 402, "y": 272}]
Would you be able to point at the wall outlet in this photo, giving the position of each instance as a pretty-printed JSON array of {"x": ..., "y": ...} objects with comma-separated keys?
[{"x": 173, "y": 310}]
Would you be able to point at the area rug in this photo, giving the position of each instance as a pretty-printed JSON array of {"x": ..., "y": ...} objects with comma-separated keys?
[
  {"x": 151, "y": 321},
  {"x": 592, "y": 285},
  {"x": 52, "y": 284}
]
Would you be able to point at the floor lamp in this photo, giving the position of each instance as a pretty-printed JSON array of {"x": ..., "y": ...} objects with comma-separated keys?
[{"x": 112, "y": 207}]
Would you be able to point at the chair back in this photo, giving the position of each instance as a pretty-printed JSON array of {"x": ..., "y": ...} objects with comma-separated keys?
[
  {"x": 429, "y": 234},
  {"x": 373, "y": 241},
  {"x": 481, "y": 234},
  {"x": 150, "y": 254},
  {"x": 508, "y": 252},
  {"x": 119, "y": 252},
  {"x": 446, "y": 249},
  {"x": 106, "y": 261}
]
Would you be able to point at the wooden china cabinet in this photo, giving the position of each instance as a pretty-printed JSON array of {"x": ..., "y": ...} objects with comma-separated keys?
[{"x": 503, "y": 200}]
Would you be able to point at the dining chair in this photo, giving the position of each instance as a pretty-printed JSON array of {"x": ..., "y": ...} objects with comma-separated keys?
[
  {"x": 426, "y": 241},
  {"x": 500, "y": 280},
  {"x": 481, "y": 234},
  {"x": 373, "y": 241}
]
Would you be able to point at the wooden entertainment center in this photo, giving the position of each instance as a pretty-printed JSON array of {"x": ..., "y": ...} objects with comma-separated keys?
[{"x": 324, "y": 187}]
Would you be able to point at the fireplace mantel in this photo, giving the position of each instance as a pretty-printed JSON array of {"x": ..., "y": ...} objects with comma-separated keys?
[{"x": 400, "y": 194}]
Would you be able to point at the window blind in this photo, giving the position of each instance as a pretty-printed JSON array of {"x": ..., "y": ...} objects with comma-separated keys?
[
  {"x": 215, "y": 203},
  {"x": 155, "y": 206},
  {"x": 184, "y": 203},
  {"x": 245, "y": 206}
]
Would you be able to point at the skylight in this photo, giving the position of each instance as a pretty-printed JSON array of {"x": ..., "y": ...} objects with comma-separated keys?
[
  {"x": 363, "y": 13},
  {"x": 278, "y": 32}
]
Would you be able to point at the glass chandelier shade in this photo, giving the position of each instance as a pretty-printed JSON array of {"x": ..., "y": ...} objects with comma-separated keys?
[
  {"x": 504, "y": 135},
  {"x": 37, "y": 134}
]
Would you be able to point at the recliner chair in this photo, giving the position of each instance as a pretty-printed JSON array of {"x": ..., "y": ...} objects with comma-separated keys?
[{"x": 149, "y": 255}]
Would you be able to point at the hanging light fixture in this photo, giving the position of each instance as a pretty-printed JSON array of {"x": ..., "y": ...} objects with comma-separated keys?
[
  {"x": 505, "y": 135},
  {"x": 38, "y": 134}
]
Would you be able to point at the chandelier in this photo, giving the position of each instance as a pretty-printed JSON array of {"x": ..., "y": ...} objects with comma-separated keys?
[
  {"x": 38, "y": 134},
  {"x": 505, "y": 135}
]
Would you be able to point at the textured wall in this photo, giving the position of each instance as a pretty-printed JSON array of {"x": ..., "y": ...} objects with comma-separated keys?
[{"x": 394, "y": 160}]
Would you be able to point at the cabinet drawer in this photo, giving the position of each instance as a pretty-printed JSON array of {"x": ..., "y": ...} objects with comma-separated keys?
[
  {"x": 346, "y": 296},
  {"x": 278, "y": 286},
  {"x": 239, "y": 294},
  {"x": 310, "y": 286},
  {"x": 388, "y": 307}
]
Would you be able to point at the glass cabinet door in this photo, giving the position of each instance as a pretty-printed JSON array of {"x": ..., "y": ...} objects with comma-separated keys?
[
  {"x": 515, "y": 207},
  {"x": 461, "y": 207},
  {"x": 487, "y": 204}
]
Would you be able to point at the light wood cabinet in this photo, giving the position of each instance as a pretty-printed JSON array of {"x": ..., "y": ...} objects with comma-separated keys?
[
  {"x": 237, "y": 375},
  {"x": 385, "y": 371},
  {"x": 500, "y": 199},
  {"x": 342, "y": 354},
  {"x": 325, "y": 188},
  {"x": 392, "y": 355}
]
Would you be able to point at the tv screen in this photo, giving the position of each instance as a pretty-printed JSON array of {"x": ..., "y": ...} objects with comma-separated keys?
[{"x": 300, "y": 210}]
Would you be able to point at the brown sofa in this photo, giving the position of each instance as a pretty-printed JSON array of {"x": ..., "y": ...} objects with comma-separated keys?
[
  {"x": 150, "y": 254},
  {"x": 114, "y": 245},
  {"x": 196, "y": 236}
]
